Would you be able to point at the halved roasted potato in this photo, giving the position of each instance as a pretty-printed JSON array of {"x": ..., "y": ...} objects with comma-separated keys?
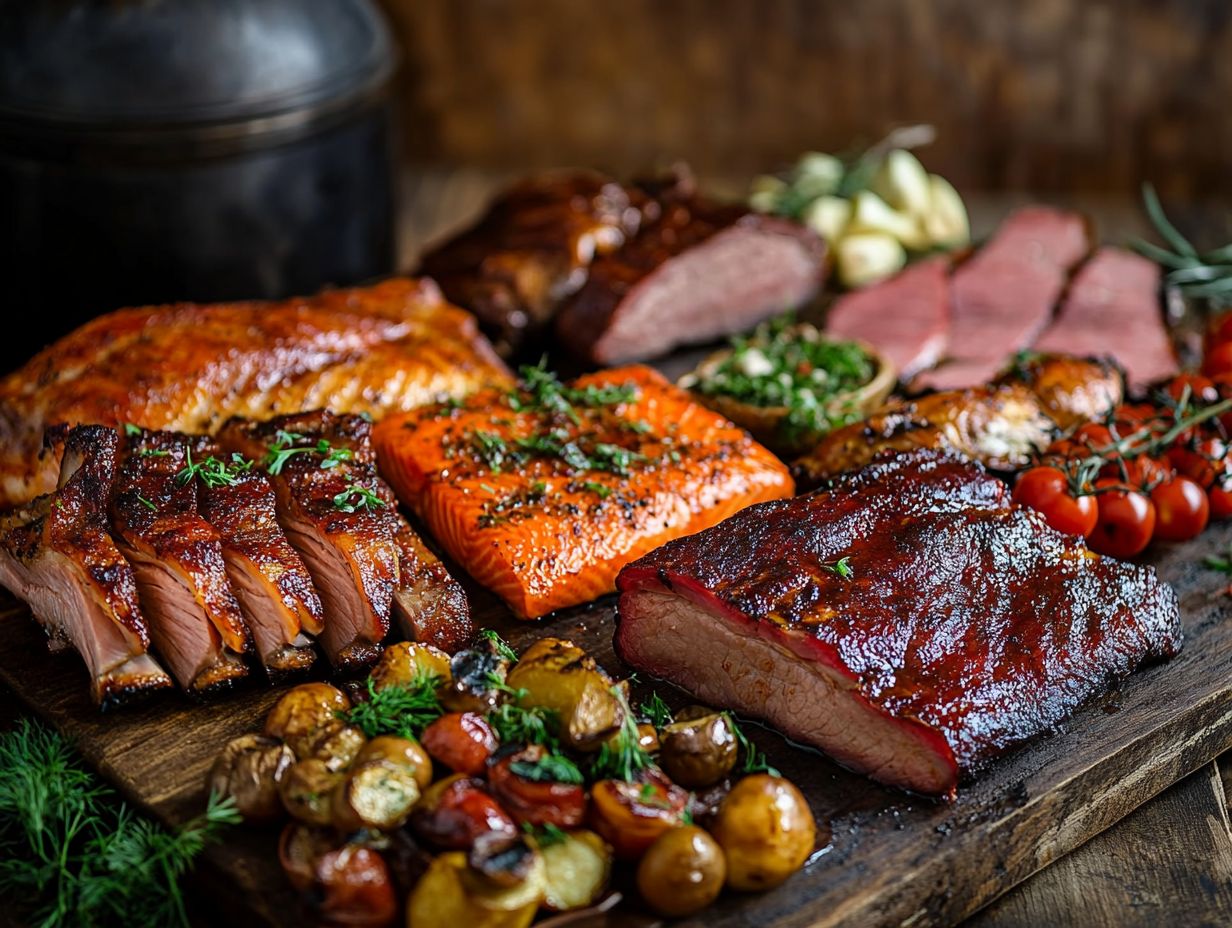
[
  {"x": 377, "y": 794},
  {"x": 403, "y": 663},
  {"x": 307, "y": 790},
  {"x": 577, "y": 867},
  {"x": 558, "y": 675},
  {"x": 452, "y": 894},
  {"x": 400, "y": 751},
  {"x": 303, "y": 712}
]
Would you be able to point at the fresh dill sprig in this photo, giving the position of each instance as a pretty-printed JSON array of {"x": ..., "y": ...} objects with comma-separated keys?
[
  {"x": 499, "y": 644},
  {"x": 404, "y": 709},
  {"x": 75, "y": 854},
  {"x": 516, "y": 724},
  {"x": 545, "y": 835},
  {"x": 754, "y": 760},
  {"x": 552, "y": 767},
  {"x": 655, "y": 711},
  {"x": 356, "y": 497},
  {"x": 623, "y": 757}
]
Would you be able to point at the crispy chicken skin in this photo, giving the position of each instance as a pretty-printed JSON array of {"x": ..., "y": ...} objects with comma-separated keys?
[
  {"x": 189, "y": 367},
  {"x": 58, "y": 556}
]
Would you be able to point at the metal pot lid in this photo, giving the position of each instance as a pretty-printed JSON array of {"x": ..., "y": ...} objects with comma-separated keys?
[{"x": 165, "y": 64}]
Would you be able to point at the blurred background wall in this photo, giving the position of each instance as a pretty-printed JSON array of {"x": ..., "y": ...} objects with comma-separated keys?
[{"x": 1050, "y": 96}]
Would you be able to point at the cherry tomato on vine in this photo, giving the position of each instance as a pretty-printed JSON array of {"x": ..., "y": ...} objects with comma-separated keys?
[
  {"x": 1181, "y": 509},
  {"x": 1201, "y": 389},
  {"x": 1201, "y": 462},
  {"x": 1126, "y": 520},
  {"x": 1092, "y": 435},
  {"x": 1220, "y": 331},
  {"x": 1142, "y": 472},
  {"x": 1219, "y": 496},
  {"x": 1047, "y": 491},
  {"x": 1218, "y": 360}
]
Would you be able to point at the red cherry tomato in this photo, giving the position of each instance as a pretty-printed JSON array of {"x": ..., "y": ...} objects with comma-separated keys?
[
  {"x": 1219, "y": 498},
  {"x": 1218, "y": 360},
  {"x": 1181, "y": 509},
  {"x": 1092, "y": 435},
  {"x": 538, "y": 799},
  {"x": 1126, "y": 520},
  {"x": 462, "y": 741},
  {"x": 1201, "y": 389},
  {"x": 1220, "y": 331},
  {"x": 1142, "y": 472},
  {"x": 1047, "y": 491},
  {"x": 1201, "y": 462}
]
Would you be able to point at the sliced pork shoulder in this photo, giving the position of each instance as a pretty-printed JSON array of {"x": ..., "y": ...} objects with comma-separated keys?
[
  {"x": 906, "y": 318},
  {"x": 1112, "y": 309},
  {"x": 1004, "y": 296},
  {"x": 429, "y": 604},
  {"x": 195, "y": 619},
  {"x": 271, "y": 583},
  {"x": 329, "y": 503},
  {"x": 700, "y": 271},
  {"x": 910, "y": 621},
  {"x": 58, "y": 556}
]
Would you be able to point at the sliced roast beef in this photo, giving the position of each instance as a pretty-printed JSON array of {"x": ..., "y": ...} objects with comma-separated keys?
[
  {"x": 1004, "y": 296},
  {"x": 1112, "y": 308},
  {"x": 176, "y": 554},
  {"x": 698, "y": 272},
  {"x": 429, "y": 604},
  {"x": 906, "y": 318},
  {"x": 531, "y": 250},
  {"x": 57, "y": 554},
  {"x": 270, "y": 581},
  {"x": 910, "y": 621}
]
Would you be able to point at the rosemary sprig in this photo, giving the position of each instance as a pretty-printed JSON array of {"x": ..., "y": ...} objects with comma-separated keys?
[
  {"x": 754, "y": 760},
  {"x": 623, "y": 758},
  {"x": 655, "y": 711},
  {"x": 1197, "y": 274}
]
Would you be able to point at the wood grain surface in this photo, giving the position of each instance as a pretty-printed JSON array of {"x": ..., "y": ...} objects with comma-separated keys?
[{"x": 889, "y": 859}]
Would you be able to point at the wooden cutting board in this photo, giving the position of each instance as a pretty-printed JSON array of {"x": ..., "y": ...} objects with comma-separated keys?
[{"x": 887, "y": 858}]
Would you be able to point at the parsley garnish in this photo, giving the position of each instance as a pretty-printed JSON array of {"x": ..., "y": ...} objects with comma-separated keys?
[
  {"x": 356, "y": 497},
  {"x": 550, "y": 768},
  {"x": 74, "y": 853},
  {"x": 599, "y": 489},
  {"x": 213, "y": 472},
  {"x": 148, "y": 504},
  {"x": 131, "y": 430},
  {"x": 840, "y": 568},
  {"x": 153, "y": 453},
  {"x": 540, "y": 389},
  {"x": 284, "y": 448},
  {"x": 754, "y": 760},
  {"x": 623, "y": 757},
  {"x": 404, "y": 709},
  {"x": 499, "y": 645},
  {"x": 655, "y": 711},
  {"x": 492, "y": 449}
]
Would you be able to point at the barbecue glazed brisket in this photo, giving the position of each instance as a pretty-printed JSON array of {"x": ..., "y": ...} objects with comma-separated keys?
[
  {"x": 958, "y": 626},
  {"x": 190, "y": 367},
  {"x": 57, "y": 554},
  {"x": 627, "y": 271}
]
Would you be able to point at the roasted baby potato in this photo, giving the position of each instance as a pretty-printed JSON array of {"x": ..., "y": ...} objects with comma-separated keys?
[
  {"x": 457, "y": 810},
  {"x": 307, "y": 790},
  {"x": 766, "y": 830},
  {"x": 249, "y": 770},
  {"x": 353, "y": 887},
  {"x": 699, "y": 748},
  {"x": 682, "y": 872},
  {"x": 376, "y": 794},
  {"x": 631, "y": 815},
  {"x": 299, "y": 847},
  {"x": 400, "y": 751},
  {"x": 558, "y": 675},
  {"x": 577, "y": 869},
  {"x": 462, "y": 741},
  {"x": 530, "y": 786},
  {"x": 403, "y": 663},
  {"x": 337, "y": 743},
  {"x": 299, "y": 716},
  {"x": 452, "y": 895},
  {"x": 476, "y": 671}
]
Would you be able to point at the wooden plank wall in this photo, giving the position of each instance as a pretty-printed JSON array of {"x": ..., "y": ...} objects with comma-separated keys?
[{"x": 1046, "y": 95}]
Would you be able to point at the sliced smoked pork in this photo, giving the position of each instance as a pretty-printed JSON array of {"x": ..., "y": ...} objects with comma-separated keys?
[
  {"x": 1112, "y": 309},
  {"x": 271, "y": 583},
  {"x": 910, "y": 622},
  {"x": 195, "y": 619},
  {"x": 1005, "y": 295},
  {"x": 57, "y": 554},
  {"x": 906, "y": 318}
]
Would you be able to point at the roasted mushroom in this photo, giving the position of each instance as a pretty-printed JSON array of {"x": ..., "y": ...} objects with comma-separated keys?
[
  {"x": 299, "y": 716},
  {"x": 249, "y": 770},
  {"x": 307, "y": 790},
  {"x": 477, "y": 672},
  {"x": 682, "y": 872},
  {"x": 556, "y": 674},
  {"x": 766, "y": 830},
  {"x": 699, "y": 748}
]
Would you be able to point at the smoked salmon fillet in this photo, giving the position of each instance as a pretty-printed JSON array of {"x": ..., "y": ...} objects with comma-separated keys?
[{"x": 545, "y": 492}]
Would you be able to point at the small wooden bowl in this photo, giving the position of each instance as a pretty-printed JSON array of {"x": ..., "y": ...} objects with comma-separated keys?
[{"x": 764, "y": 422}]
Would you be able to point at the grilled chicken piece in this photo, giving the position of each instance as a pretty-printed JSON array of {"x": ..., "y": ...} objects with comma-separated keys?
[
  {"x": 330, "y": 505},
  {"x": 195, "y": 620},
  {"x": 270, "y": 581},
  {"x": 960, "y": 626},
  {"x": 58, "y": 556},
  {"x": 1000, "y": 425},
  {"x": 190, "y": 367}
]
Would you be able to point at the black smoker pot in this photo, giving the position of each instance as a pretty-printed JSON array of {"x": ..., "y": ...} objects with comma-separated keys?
[{"x": 162, "y": 150}]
